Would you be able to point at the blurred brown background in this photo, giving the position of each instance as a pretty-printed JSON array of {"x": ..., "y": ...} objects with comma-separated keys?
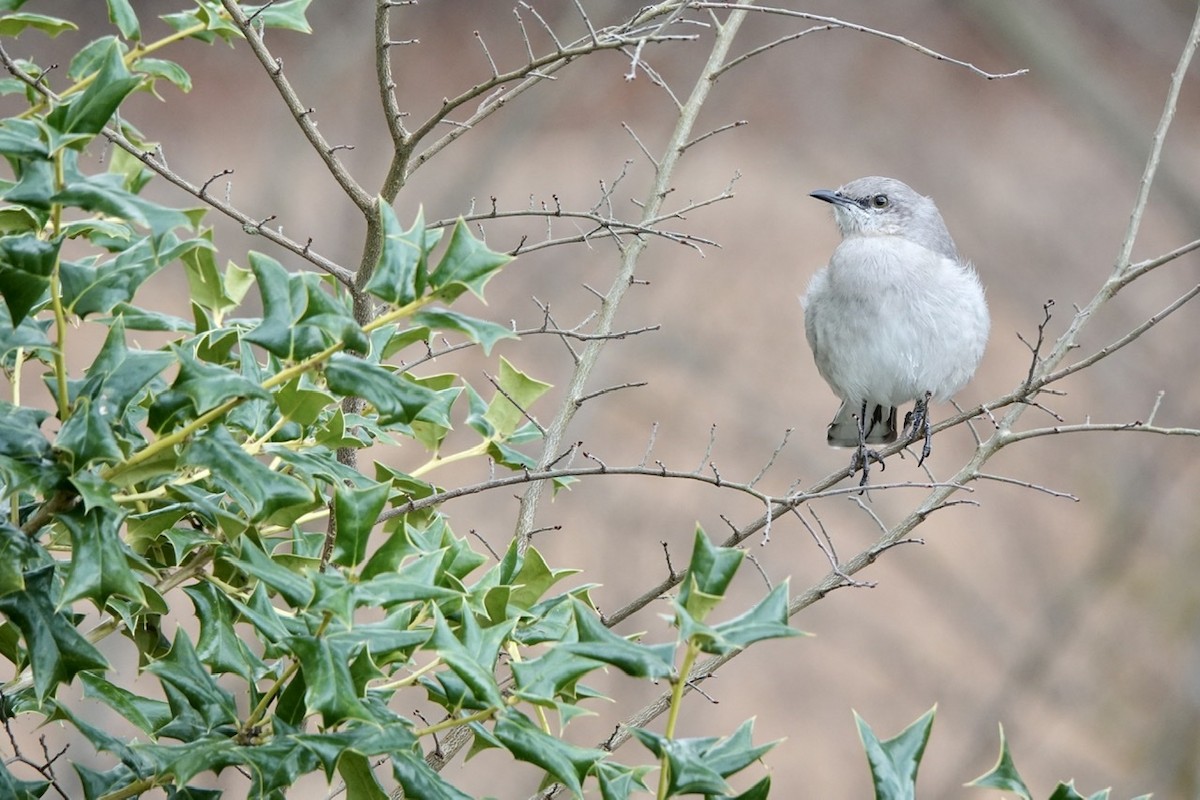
[{"x": 1075, "y": 624}]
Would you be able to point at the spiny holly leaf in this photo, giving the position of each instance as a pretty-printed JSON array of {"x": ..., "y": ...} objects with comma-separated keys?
[
  {"x": 146, "y": 713},
  {"x": 182, "y": 670},
  {"x": 400, "y": 274},
  {"x": 471, "y": 654},
  {"x": 894, "y": 762},
  {"x": 759, "y": 791},
  {"x": 518, "y": 392},
  {"x": 397, "y": 398},
  {"x": 708, "y": 576},
  {"x": 700, "y": 765},
  {"x": 16, "y": 789},
  {"x": 598, "y": 642},
  {"x": 25, "y": 266},
  {"x": 17, "y": 552},
  {"x": 87, "y": 435},
  {"x": 89, "y": 112},
  {"x": 12, "y": 24},
  {"x": 418, "y": 779},
  {"x": 767, "y": 620},
  {"x": 355, "y": 511},
  {"x": 566, "y": 762},
  {"x": 1003, "y": 776},
  {"x": 219, "y": 646},
  {"x": 477, "y": 330},
  {"x": 199, "y": 387},
  {"x": 619, "y": 782},
  {"x": 361, "y": 783},
  {"x": 296, "y": 588},
  {"x": 90, "y": 287},
  {"x": 120, "y": 13},
  {"x": 209, "y": 287},
  {"x": 106, "y": 194},
  {"x": 288, "y": 15},
  {"x": 551, "y": 675},
  {"x": 328, "y": 686},
  {"x": 263, "y": 493},
  {"x": 117, "y": 375},
  {"x": 300, "y": 318},
  {"x": 99, "y": 559},
  {"x": 467, "y": 264},
  {"x": 56, "y": 650}
]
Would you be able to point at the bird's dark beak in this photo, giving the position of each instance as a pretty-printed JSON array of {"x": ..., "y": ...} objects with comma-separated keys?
[{"x": 831, "y": 196}]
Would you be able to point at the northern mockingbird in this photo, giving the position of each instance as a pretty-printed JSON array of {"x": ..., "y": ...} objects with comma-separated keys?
[{"x": 896, "y": 316}]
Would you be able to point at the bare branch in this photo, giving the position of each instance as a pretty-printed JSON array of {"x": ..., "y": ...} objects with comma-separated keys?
[
  {"x": 891, "y": 37},
  {"x": 300, "y": 112},
  {"x": 1156, "y": 145}
]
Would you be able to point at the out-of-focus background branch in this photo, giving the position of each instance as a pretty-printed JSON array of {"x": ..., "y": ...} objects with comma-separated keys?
[{"x": 1076, "y": 624}]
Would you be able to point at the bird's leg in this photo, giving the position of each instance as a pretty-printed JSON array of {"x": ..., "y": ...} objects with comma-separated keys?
[
  {"x": 863, "y": 455},
  {"x": 917, "y": 425}
]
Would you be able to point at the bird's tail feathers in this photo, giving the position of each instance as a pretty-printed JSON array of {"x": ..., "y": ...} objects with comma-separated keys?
[{"x": 881, "y": 425}]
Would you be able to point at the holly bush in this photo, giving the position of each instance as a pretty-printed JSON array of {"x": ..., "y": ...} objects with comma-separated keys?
[{"x": 323, "y": 595}]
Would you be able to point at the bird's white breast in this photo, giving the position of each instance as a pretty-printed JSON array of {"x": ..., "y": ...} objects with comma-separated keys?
[{"x": 889, "y": 320}]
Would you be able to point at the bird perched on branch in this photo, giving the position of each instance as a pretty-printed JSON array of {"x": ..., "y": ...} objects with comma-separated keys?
[{"x": 895, "y": 317}]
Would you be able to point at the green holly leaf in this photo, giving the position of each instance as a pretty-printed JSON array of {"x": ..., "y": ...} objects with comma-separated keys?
[
  {"x": 708, "y": 576},
  {"x": 100, "y": 560},
  {"x": 182, "y": 671},
  {"x": 199, "y": 387},
  {"x": 396, "y": 397},
  {"x": 768, "y": 619},
  {"x": 118, "y": 375},
  {"x": 56, "y": 650},
  {"x": 619, "y": 782},
  {"x": 120, "y": 13},
  {"x": 219, "y": 646},
  {"x": 638, "y": 660},
  {"x": 566, "y": 762},
  {"x": 400, "y": 274},
  {"x": 87, "y": 113},
  {"x": 13, "y": 24},
  {"x": 328, "y": 686},
  {"x": 296, "y": 588},
  {"x": 1003, "y": 776},
  {"x": 210, "y": 288},
  {"x": 26, "y": 263},
  {"x": 418, "y": 779},
  {"x": 355, "y": 512},
  {"x": 467, "y": 265},
  {"x": 300, "y": 318},
  {"x": 288, "y": 15},
  {"x": 146, "y": 713},
  {"x": 894, "y": 762},
  {"x": 262, "y": 493},
  {"x": 13, "y": 787},
  {"x": 508, "y": 408},
  {"x": 700, "y": 765},
  {"x": 471, "y": 653},
  {"x": 477, "y": 330},
  {"x": 87, "y": 435},
  {"x": 759, "y": 791},
  {"x": 361, "y": 783}
]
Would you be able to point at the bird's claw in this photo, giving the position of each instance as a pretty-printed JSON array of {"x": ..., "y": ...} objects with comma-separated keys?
[
  {"x": 917, "y": 426},
  {"x": 862, "y": 458}
]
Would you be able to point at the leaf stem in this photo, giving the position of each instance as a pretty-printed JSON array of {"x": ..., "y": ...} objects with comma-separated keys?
[
  {"x": 677, "y": 687},
  {"x": 62, "y": 397}
]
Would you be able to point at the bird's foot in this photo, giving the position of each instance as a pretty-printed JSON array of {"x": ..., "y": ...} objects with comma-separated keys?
[
  {"x": 862, "y": 458},
  {"x": 918, "y": 426}
]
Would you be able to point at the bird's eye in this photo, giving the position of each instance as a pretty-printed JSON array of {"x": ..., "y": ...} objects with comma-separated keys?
[{"x": 880, "y": 201}]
